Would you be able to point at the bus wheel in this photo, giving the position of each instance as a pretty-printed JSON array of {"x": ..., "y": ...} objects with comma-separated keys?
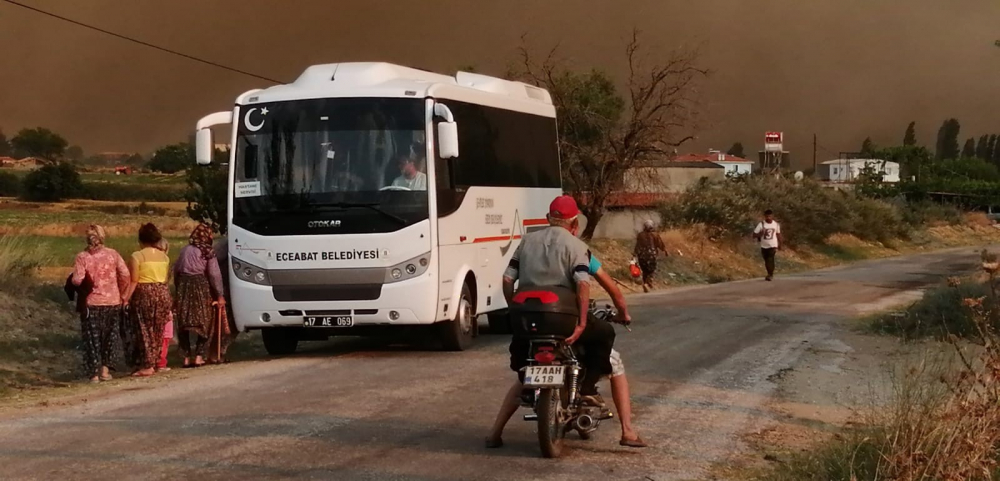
[
  {"x": 458, "y": 334},
  {"x": 280, "y": 341},
  {"x": 499, "y": 322}
]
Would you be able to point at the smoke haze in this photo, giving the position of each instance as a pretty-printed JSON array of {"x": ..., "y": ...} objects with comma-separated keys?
[{"x": 843, "y": 69}]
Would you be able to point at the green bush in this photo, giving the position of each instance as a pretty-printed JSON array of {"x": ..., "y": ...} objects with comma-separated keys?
[
  {"x": 809, "y": 212},
  {"x": 939, "y": 313},
  {"x": 207, "y": 193},
  {"x": 10, "y": 185},
  {"x": 924, "y": 212},
  {"x": 51, "y": 183}
]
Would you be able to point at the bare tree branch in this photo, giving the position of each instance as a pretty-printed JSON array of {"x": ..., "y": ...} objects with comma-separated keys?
[{"x": 607, "y": 142}]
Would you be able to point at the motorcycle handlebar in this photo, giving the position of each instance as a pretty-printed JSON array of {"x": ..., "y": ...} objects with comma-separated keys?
[{"x": 609, "y": 314}]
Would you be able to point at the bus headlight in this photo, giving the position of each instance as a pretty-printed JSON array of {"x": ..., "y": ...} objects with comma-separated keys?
[
  {"x": 407, "y": 270},
  {"x": 250, "y": 273}
]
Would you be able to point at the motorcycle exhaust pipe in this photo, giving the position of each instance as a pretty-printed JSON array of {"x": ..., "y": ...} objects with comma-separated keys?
[{"x": 585, "y": 422}]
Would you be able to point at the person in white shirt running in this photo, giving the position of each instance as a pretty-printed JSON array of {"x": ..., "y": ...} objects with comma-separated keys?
[
  {"x": 768, "y": 233},
  {"x": 411, "y": 178}
]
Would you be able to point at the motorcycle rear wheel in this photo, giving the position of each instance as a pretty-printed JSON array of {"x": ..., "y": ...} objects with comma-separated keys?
[{"x": 550, "y": 428}]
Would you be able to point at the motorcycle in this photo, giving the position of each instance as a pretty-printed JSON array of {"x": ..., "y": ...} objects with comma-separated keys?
[{"x": 552, "y": 389}]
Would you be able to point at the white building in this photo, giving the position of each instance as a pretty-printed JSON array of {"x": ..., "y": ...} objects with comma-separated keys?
[
  {"x": 848, "y": 170},
  {"x": 734, "y": 165}
]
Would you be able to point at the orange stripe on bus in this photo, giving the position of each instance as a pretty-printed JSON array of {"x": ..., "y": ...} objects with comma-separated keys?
[
  {"x": 493, "y": 239},
  {"x": 535, "y": 221}
]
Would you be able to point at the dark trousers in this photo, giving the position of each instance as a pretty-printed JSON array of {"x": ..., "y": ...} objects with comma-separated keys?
[
  {"x": 597, "y": 340},
  {"x": 185, "y": 340},
  {"x": 768, "y": 255}
]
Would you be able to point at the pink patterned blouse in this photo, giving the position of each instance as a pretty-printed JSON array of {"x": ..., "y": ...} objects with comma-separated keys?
[{"x": 108, "y": 272}]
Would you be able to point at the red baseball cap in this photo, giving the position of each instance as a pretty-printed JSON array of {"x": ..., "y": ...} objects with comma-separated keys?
[{"x": 563, "y": 207}]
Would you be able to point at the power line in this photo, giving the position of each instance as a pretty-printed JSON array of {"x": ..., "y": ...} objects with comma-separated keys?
[{"x": 140, "y": 42}]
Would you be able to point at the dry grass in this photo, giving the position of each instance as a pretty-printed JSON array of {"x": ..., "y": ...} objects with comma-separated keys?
[
  {"x": 942, "y": 422},
  {"x": 19, "y": 263}
]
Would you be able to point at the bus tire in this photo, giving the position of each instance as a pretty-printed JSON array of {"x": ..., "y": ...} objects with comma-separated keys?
[
  {"x": 458, "y": 334},
  {"x": 499, "y": 322},
  {"x": 280, "y": 341}
]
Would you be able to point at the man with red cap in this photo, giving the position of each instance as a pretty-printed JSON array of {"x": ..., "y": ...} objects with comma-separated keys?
[{"x": 555, "y": 258}]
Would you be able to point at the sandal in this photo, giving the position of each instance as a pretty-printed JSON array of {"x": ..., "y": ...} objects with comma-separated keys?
[
  {"x": 142, "y": 374},
  {"x": 633, "y": 443}
]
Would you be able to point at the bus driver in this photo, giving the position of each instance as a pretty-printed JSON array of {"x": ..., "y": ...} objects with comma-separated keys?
[{"x": 410, "y": 178}]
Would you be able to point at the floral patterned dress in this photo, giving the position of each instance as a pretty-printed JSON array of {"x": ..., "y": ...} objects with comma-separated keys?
[{"x": 99, "y": 323}]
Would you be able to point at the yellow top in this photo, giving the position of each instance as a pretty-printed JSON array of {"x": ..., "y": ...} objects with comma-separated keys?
[{"x": 152, "y": 265}]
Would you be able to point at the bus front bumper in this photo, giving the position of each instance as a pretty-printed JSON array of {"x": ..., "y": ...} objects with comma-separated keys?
[{"x": 410, "y": 302}]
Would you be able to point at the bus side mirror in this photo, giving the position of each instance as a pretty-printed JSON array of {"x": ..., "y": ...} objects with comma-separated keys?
[
  {"x": 448, "y": 140},
  {"x": 204, "y": 148}
]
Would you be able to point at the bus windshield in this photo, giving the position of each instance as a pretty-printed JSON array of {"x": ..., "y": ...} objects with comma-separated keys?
[{"x": 346, "y": 158}]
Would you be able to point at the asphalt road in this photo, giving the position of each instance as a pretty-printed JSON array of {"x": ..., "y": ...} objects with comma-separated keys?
[{"x": 699, "y": 361}]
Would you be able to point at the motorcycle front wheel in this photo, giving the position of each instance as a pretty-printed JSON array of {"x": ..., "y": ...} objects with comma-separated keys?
[{"x": 550, "y": 428}]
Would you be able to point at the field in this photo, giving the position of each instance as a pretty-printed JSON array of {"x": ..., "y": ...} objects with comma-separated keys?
[
  {"x": 59, "y": 228},
  {"x": 110, "y": 177}
]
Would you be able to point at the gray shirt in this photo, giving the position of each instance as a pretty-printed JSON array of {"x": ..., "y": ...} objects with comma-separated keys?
[{"x": 550, "y": 257}]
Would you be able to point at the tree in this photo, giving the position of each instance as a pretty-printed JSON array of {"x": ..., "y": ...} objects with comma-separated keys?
[
  {"x": 995, "y": 154},
  {"x": 947, "y": 140},
  {"x": 981, "y": 147},
  {"x": 38, "y": 142},
  {"x": 5, "y": 149},
  {"x": 606, "y": 137},
  {"x": 910, "y": 137},
  {"x": 914, "y": 161},
  {"x": 51, "y": 183},
  {"x": 868, "y": 148},
  {"x": 991, "y": 147},
  {"x": 736, "y": 150},
  {"x": 207, "y": 191},
  {"x": 74, "y": 153},
  {"x": 172, "y": 158},
  {"x": 969, "y": 151}
]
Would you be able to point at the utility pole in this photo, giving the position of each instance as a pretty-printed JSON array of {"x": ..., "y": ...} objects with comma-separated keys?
[{"x": 814, "y": 155}]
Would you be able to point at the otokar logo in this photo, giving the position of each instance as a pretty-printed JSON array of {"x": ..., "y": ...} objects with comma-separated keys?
[{"x": 320, "y": 224}]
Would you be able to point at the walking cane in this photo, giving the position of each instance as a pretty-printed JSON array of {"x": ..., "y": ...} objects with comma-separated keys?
[{"x": 218, "y": 329}]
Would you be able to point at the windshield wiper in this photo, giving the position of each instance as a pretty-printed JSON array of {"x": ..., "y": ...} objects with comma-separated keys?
[{"x": 375, "y": 206}]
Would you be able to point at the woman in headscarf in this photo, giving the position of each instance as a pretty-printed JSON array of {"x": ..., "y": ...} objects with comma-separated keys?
[
  {"x": 104, "y": 271},
  {"x": 647, "y": 245},
  {"x": 148, "y": 298},
  {"x": 199, "y": 285}
]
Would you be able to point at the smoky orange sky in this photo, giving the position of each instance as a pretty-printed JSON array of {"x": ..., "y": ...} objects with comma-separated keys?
[{"x": 843, "y": 69}]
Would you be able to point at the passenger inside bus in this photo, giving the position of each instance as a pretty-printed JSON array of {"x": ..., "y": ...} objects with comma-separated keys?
[{"x": 411, "y": 177}]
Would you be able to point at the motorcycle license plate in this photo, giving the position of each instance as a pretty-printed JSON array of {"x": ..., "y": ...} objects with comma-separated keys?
[
  {"x": 544, "y": 376},
  {"x": 328, "y": 321}
]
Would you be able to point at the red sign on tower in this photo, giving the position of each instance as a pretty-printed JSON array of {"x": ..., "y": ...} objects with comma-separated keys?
[{"x": 773, "y": 141}]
